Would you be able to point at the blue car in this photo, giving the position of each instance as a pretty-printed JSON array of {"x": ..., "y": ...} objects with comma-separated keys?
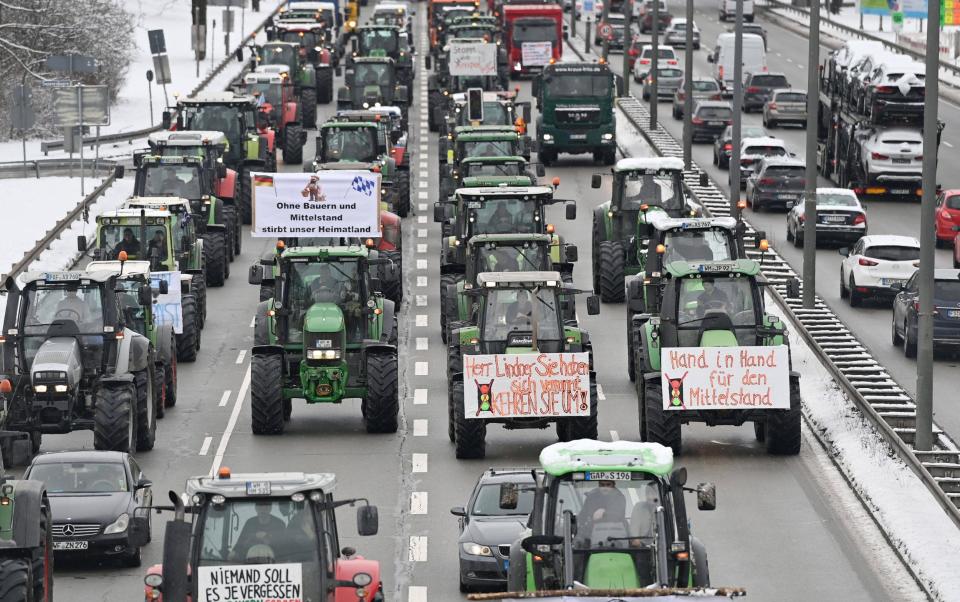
[{"x": 946, "y": 315}]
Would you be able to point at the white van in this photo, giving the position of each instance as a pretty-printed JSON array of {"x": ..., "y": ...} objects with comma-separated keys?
[
  {"x": 728, "y": 10},
  {"x": 754, "y": 58}
]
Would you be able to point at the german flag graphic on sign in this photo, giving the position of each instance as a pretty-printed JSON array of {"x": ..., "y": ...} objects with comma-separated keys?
[{"x": 263, "y": 180}]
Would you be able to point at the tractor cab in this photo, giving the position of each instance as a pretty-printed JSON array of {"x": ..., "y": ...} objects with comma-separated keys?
[
  {"x": 397, "y": 14},
  {"x": 312, "y": 37},
  {"x": 499, "y": 108},
  {"x": 273, "y": 93},
  {"x": 387, "y": 120},
  {"x": 373, "y": 81},
  {"x": 492, "y": 171},
  {"x": 132, "y": 276},
  {"x": 177, "y": 176},
  {"x": 351, "y": 142}
]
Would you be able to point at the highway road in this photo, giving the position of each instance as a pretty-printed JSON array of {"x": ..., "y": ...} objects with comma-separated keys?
[{"x": 785, "y": 528}]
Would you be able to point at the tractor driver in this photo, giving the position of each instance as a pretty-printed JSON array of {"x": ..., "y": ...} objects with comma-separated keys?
[
  {"x": 712, "y": 298},
  {"x": 128, "y": 243},
  {"x": 604, "y": 504},
  {"x": 327, "y": 288},
  {"x": 501, "y": 221},
  {"x": 72, "y": 308},
  {"x": 159, "y": 242},
  {"x": 261, "y": 529}
]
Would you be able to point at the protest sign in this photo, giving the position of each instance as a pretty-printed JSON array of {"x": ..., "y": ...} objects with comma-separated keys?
[
  {"x": 527, "y": 385},
  {"x": 167, "y": 308},
  {"x": 473, "y": 59},
  {"x": 251, "y": 583},
  {"x": 331, "y": 203},
  {"x": 725, "y": 378},
  {"x": 536, "y": 54}
]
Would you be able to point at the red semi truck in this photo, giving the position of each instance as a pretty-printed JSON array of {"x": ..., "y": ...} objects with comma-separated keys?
[{"x": 527, "y": 29}]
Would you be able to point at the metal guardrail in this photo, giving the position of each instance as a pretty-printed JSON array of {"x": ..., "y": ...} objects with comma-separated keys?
[
  {"x": 883, "y": 402},
  {"x": 56, "y": 167}
]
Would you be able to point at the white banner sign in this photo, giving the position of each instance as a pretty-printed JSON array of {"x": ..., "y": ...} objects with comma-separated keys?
[
  {"x": 324, "y": 204},
  {"x": 251, "y": 583},
  {"x": 167, "y": 309},
  {"x": 536, "y": 54},
  {"x": 473, "y": 59},
  {"x": 527, "y": 385},
  {"x": 725, "y": 378}
]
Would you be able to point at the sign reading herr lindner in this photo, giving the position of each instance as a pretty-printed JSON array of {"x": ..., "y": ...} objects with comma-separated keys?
[{"x": 324, "y": 204}]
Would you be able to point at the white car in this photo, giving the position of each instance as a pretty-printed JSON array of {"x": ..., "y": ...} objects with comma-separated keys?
[
  {"x": 893, "y": 158},
  {"x": 877, "y": 265},
  {"x": 754, "y": 150},
  {"x": 668, "y": 58},
  {"x": 840, "y": 217}
]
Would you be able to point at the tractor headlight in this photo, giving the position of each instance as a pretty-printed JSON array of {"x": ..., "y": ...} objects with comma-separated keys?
[
  {"x": 547, "y": 137},
  {"x": 608, "y": 136},
  {"x": 119, "y": 525},
  {"x": 60, "y": 388},
  {"x": 475, "y": 549},
  {"x": 323, "y": 354},
  {"x": 40, "y": 388}
]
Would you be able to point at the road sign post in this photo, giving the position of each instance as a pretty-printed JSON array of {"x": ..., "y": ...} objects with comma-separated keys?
[
  {"x": 688, "y": 90},
  {"x": 150, "y": 93},
  {"x": 81, "y": 106},
  {"x": 737, "y": 111},
  {"x": 654, "y": 67},
  {"x": 810, "y": 185}
]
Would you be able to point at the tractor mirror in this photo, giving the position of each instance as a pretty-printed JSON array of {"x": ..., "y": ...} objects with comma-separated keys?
[
  {"x": 704, "y": 178},
  {"x": 509, "y": 496},
  {"x": 706, "y": 496},
  {"x": 375, "y": 285},
  {"x": 163, "y": 287},
  {"x": 540, "y": 170},
  {"x": 845, "y": 251},
  {"x": 82, "y": 243},
  {"x": 138, "y": 531},
  {"x": 793, "y": 288},
  {"x": 354, "y": 45},
  {"x": 255, "y": 275},
  {"x": 534, "y": 543},
  {"x": 593, "y": 305},
  {"x": 571, "y": 211},
  {"x": 596, "y": 181},
  {"x": 118, "y": 172},
  {"x": 368, "y": 520},
  {"x": 239, "y": 55},
  {"x": 144, "y": 297},
  {"x": 570, "y": 253},
  {"x": 221, "y": 170},
  {"x": 166, "y": 120},
  {"x": 429, "y": 62}
]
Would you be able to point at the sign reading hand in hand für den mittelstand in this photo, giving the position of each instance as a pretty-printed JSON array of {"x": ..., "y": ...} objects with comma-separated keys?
[{"x": 725, "y": 378}]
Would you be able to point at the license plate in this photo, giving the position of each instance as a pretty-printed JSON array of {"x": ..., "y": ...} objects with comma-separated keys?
[
  {"x": 789, "y": 197},
  {"x": 258, "y": 487},
  {"x": 900, "y": 191},
  {"x": 578, "y": 136},
  {"x": 891, "y": 281},
  {"x": 716, "y": 123},
  {"x": 617, "y": 475},
  {"x": 901, "y": 161},
  {"x": 953, "y": 313},
  {"x": 71, "y": 545},
  {"x": 835, "y": 219}
]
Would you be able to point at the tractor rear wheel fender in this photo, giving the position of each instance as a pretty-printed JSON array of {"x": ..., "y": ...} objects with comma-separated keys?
[
  {"x": 267, "y": 350},
  {"x": 30, "y": 497},
  {"x": 701, "y": 570},
  {"x": 387, "y": 319},
  {"x": 261, "y": 325}
]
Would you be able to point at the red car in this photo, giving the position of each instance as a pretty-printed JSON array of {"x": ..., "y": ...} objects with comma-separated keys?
[{"x": 947, "y": 216}]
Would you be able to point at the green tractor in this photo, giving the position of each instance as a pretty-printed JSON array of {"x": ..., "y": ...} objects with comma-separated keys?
[
  {"x": 488, "y": 171},
  {"x": 609, "y": 518},
  {"x": 327, "y": 335},
  {"x": 385, "y": 40},
  {"x": 373, "y": 80},
  {"x": 517, "y": 322},
  {"x": 251, "y": 148},
  {"x": 181, "y": 185},
  {"x": 641, "y": 188},
  {"x": 499, "y": 108},
  {"x": 284, "y": 58},
  {"x": 26, "y": 541},
  {"x": 316, "y": 46},
  {"x": 708, "y": 306},
  {"x": 441, "y": 92}
]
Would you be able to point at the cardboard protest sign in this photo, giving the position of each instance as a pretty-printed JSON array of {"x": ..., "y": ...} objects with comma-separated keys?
[
  {"x": 167, "y": 309},
  {"x": 526, "y": 385},
  {"x": 324, "y": 204},
  {"x": 473, "y": 59},
  {"x": 725, "y": 378},
  {"x": 536, "y": 54},
  {"x": 251, "y": 583}
]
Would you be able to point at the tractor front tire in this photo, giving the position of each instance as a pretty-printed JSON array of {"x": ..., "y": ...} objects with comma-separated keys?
[
  {"x": 293, "y": 141},
  {"x": 146, "y": 409},
  {"x": 445, "y": 301},
  {"x": 188, "y": 341},
  {"x": 660, "y": 425},
  {"x": 160, "y": 386},
  {"x": 266, "y": 394},
  {"x": 585, "y": 427},
  {"x": 233, "y": 226},
  {"x": 782, "y": 427},
  {"x": 199, "y": 287},
  {"x": 215, "y": 256},
  {"x": 392, "y": 281},
  {"x": 15, "y": 580},
  {"x": 115, "y": 419},
  {"x": 381, "y": 402},
  {"x": 470, "y": 440},
  {"x": 308, "y": 108},
  {"x": 611, "y": 267},
  {"x": 246, "y": 196},
  {"x": 403, "y": 193},
  {"x": 170, "y": 377},
  {"x": 324, "y": 86}
]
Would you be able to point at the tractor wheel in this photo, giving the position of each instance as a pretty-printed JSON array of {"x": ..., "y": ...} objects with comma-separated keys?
[
  {"x": 266, "y": 292},
  {"x": 170, "y": 377},
  {"x": 42, "y": 562},
  {"x": 188, "y": 342},
  {"x": 609, "y": 156},
  {"x": 246, "y": 196},
  {"x": 446, "y": 313},
  {"x": 233, "y": 230},
  {"x": 15, "y": 579},
  {"x": 660, "y": 426},
  {"x": 293, "y": 145},
  {"x": 160, "y": 386},
  {"x": 517, "y": 570},
  {"x": 701, "y": 570},
  {"x": 215, "y": 256},
  {"x": 585, "y": 427},
  {"x": 324, "y": 86},
  {"x": 146, "y": 409},
  {"x": 632, "y": 337},
  {"x": 454, "y": 357},
  {"x": 308, "y": 108},
  {"x": 403, "y": 193},
  {"x": 198, "y": 285},
  {"x": 266, "y": 394},
  {"x": 782, "y": 427},
  {"x": 381, "y": 402},
  {"x": 115, "y": 419},
  {"x": 548, "y": 157},
  {"x": 611, "y": 271},
  {"x": 392, "y": 281},
  {"x": 470, "y": 437}
]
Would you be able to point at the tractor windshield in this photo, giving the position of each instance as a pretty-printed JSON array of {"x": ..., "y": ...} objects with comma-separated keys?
[
  {"x": 503, "y": 216},
  {"x": 81, "y": 477},
  {"x": 506, "y": 258},
  {"x": 473, "y": 169},
  {"x": 349, "y": 144},
  {"x": 334, "y": 282},
  {"x": 172, "y": 180},
  {"x": 307, "y": 39},
  {"x": 271, "y": 93},
  {"x": 514, "y": 310},
  {"x": 579, "y": 85},
  {"x": 265, "y": 531},
  {"x": 472, "y": 32},
  {"x": 656, "y": 190},
  {"x": 379, "y": 39},
  {"x": 281, "y": 54},
  {"x": 494, "y": 113},
  {"x": 54, "y": 310},
  {"x": 134, "y": 314},
  {"x": 218, "y": 118},
  {"x": 534, "y": 30},
  {"x": 372, "y": 74},
  {"x": 487, "y": 148},
  {"x": 698, "y": 245},
  {"x": 716, "y": 303}
]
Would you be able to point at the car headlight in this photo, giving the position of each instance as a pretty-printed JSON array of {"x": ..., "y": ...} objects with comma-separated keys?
[
  {"x": 475, "y": 549},
  {"x": 118, "y": 526},
  {"x": 608, "y": 136},
  {"x": 323, "y": 354},
  {"x": 547, "y": 137}
]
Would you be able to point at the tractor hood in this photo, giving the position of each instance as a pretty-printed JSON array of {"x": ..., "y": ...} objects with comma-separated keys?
[
  {"x": 57, "y": 362},
  {"x": 323, "y": 317}
]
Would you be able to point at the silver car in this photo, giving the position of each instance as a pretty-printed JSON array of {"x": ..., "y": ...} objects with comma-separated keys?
[
  {"x": 670, "y": 79},
  {"x": 785, "y": 105},
  {"x": 676, "y": 34},
  {"x": 704, "y": 88}
]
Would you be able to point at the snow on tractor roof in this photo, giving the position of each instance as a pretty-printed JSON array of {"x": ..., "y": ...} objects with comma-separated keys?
[
  {"x": 661, "y": 221},
  {"x": 492, "y": 279},
  {"x": 187, "y": 138},
  {"x": 113, "y": 267},
  {"x": 265, "y": 484},
  {"x": 665, "y": 163},
  {"x": 582, "y": 455}
]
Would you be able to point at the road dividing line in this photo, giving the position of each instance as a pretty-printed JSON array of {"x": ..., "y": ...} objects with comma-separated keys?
[
  {"x": 418, "y": 502},
  {"x": 422, "y": 219},
  {"x": 421, "y": 369},
  {"x": 614, "y": 436},
  {"x": 421, "y": 281},
  {"x": 419, "y": 463},
  {"x": 421, "y": 206},
  {"x": 421, "y": 300},
  {"x": 417, "y": 551},
  {"x": 224, "y": 398},
  {"x": 424, "y": 183},
  {"x": 231, "y": 423},
  {"x": 424, "y": 166},
  {"x": 420, "y": 427},
  {"x": 419, "y": 397},
  {"x": 421, "y": 247},
  {"x": 241, "y": 355},
  {"x": 422, "y": 263},
  {"x": 206, "y": 445},
  {"x": 421, "y": 232},
  {"x": 422, "y": 320},
  {"x": 423, "y": 195},
  {"x": 253, "y": 321},
  {"x": 424, "y": 148},
  {"x": 423, "y": 343},
  {"x": 600, "y": 394},
  {"x": 417, "y": 593}
]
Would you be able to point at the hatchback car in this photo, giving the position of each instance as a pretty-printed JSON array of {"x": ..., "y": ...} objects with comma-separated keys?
[
  {"x": 487, "y": 530},
  {"x": 778, "y": 182},
  {"x": 840, "y": 217},
  {"x": 704, "y": 88},
  {"x": 877, "y": 266},
  {"x": 669, "y": 80},
  {"x": 723, "y": 146},
  {"x": 93, "y": 495},
  {"x": 757, "y": 88},
  {"x": 676, "y": 34},
  {"x": 709, "y": 119},
  {"x": 947, "y": 216},
  {"x": 754, "y": 150},
  {"x": 645, "y": 16},
  {"x": 640, "y": 56},
  {"x": 946, "y": 312},
  {"x": 785, "y": 106},
  {"x": 893, "y": 157}
]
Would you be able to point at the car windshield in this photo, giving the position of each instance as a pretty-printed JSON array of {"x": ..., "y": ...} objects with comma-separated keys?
[
  {"x": 271, "y": 93},
  {"x": 494, "y": 113},
  {"x": 487, "y": 502},
  {"x": 697, "y": 245},
  {"x": 769, "y": 81},
  {"x": 534, "y": 30},
  {"x": 766, "y": 151},
  {"x": 379, "y": 39},
  {"x": 471, "y": 169},
  {"x": 515, "y": 310},
  {"x": 791, "y": 97},
  {"x": 785, "y": 171},
  {"x": 258, "y": 532},
  {"x": 700, "y": 85},
  {"x": 892, "y": 253},
  {"x": 172, "y": 180},
  {"x": 658, "y": 190},
  {"x": 830, "y": 199},
  {"x": 371, "y": 74},
  {"x": 504, "y": 216},
  {"x": 715, "y": 113},
  {"x": 312, "y": 282},
  {"x": 510, "y": 258},
  {"x": 81, "y": 477},
  {"x": 215, "y": 118},
  {"x": 487, "y": 148},
  {"x": 946, "y": 290},
  {"x": 729, "y": 301},
  {"x": 349, "y": 144},
  {"x": 664, "y": 53},
  {"x": 579, "y": 84}
]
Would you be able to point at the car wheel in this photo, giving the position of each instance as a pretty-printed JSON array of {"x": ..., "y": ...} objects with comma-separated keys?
[
  {"x": 855, "y": 298},
  {"x": 909, "y": 342},
  {"x": 895, "y": 337},
  {"x": 844, "y": 293},
  {"x": 789, "y": 232}
]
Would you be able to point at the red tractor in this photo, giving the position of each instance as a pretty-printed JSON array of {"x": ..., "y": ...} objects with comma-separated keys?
[
  {"x": 278, "y": 110},
  {"x": 316, "y": 47}
]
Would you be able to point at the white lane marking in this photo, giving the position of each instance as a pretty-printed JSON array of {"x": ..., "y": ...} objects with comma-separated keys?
[
  {"x": 421, "y": 300},
  {"x": 421, "y": 281},
  {"x": 241, "y": 355},
  {"x": 424, "y": 148},
  {"x": 614, "y": 436},
  {"x": 420, "y": 427},
  {"x": 421, "y": 247},
  {"x": 206, "y": 445},
  {"x": 423, "y": 195},
  {"x": 789, "y": 60},
  {"x": 947, "y": 144},
  {"x": 420, "y": 397},
  {"x": 423, "y": 343},
  {"x": 600, "y": 394},
  {"x": 421, "y": 206},
  {"x": 421, "y": 232},
  {"x": 421, "y": 264},
  {"x": 417, "y": 593},
  {"x": 231, "y": 423},
  {"x": 419, "y": 463},
  {"x": 417, "y": 552},
  {"x": 422, "y": 320},
  {"x": 421, "y": 369},
  {"x": 424, "y": 165},
  {"x": 418, "y": 502},
  {"x": 424, "y": 184},
  {"x": 253, "y": 321},
  {"x": 224, "y": 398}
]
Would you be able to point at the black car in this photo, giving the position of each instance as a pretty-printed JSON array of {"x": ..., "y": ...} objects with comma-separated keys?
[
  {"x": 487, "y": 530},
  {"x": 754, "y": 28},
  {"x": 946, "y": 314},
  {"x": 757, "y": 88},
  {"x": 93, "y": 495},
  {"x": 709, "y": 119},
  {"x": 778, "y": 182},
  {"x": 723, "y": 146}
]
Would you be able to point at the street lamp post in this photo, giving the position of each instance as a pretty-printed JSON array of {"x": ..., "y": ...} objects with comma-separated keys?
[
  {"x": 688, "y": 90},
  {"x": 810, "y": 186},
  {"x": 737, "y": 110}
]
